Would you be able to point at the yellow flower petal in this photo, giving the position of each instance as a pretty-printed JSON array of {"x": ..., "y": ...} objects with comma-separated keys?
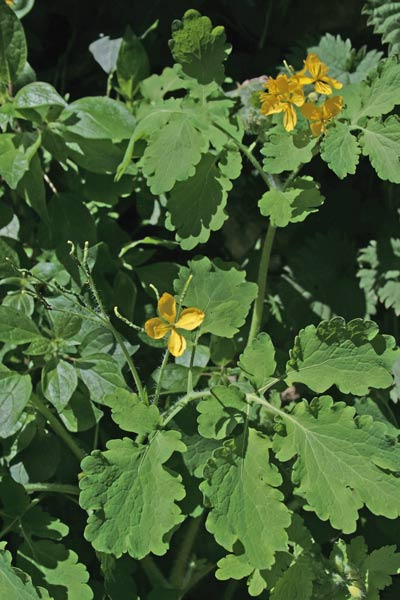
[
  {"x": 332, "y": 106},
  {"x": 289, "y": 117},
  {"x": 317, "y": 127},
  {"x": 323, "y": 88},
  {"x": 190, "y": 319},
  {"x": 167, "y": 307},
  {"x": 176, "y": 343},
  {"x": 156, "y": 328},
  {"x": 315, "y": 66}
]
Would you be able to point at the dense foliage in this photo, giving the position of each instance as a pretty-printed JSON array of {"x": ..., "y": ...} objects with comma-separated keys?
[{"x": 200, "y": 287}]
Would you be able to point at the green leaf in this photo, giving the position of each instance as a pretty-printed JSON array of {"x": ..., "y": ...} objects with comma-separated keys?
[
  {"x": 380, "y": 141},
  {"x": 132, "y": 414},
  {"x": 124, "y": 488},
  {"x": 370, "y": 571},
  {"x": 15, "y": 392},
  {"x": 132, "y": 64},
  {"x": 256, "y": 520},
  {"x": 31, "y": 187},
  {"x": 284, "y": 151},
  {"x": 59, "y": 381},
  {"x": 80, "y": 414},
  {"x": 101, "y": 374},
  {"x": 340, "y": 150},
  {"x": 172, "y": 153},
  {"x": 199, "y": 48},
  {"x": 258, "y": 361},
  {"x": 99, "y": 118},
  {"x": 345, "y": 63},
  {"x": 353, "y": 356},
  {"x": 296, "y": 581},
  {"x": 223, "y": 294},
  {"x": 221, "y": 412},
  {"x": 56, "y": 568},
  {"x": 292, "y": 205},
  {"x": 384, "y": 17},
  {"x": 196, "y": 206},
  {"x": 382, "y": 93},
  {"x": 15, "y": 327},
  {"x": 13, "y": 50},
  {"x": 38, "y": 94},
  {"x": 15, "y": 585},
  {"x": 342, "y": 463}
]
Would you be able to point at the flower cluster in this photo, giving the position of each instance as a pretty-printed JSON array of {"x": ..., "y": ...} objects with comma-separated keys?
[
  {"x": 169, "y": 322},
  {"x": 285, "y": 93}
]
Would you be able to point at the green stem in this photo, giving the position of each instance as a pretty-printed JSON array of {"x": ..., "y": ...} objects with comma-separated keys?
[
  {"x": 117, "y": 335},
  {"x": 180, "y": 404},
  {"x": 258, "y": 307},
  {"x": 58, "y": 428},
  {"x": 60, "y": 488},
  {"x": 180, "y": 568},
  {"x": 154, "y": 574},
  {"x": 190, "y": 374},
  {"x": 160, "y": 377},
  {"x": 266, "y": 177}
]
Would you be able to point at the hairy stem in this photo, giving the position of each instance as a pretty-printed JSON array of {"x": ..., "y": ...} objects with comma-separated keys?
[
  {"x": 180, "y": 404},
  {"x": 154, "y": 574},
  {"x": 58, "y": 428},
  {"x": 263, "y": 267},
  {"x": 180, "y": 569},
  {"x": 60, "y": 488},
  {"x": 160, "y": 377}
]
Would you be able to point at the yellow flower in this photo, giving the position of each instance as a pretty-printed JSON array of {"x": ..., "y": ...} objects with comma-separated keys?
[
  {"x": 284, "y": 93},
  {"x": 319, "y": 116},
  {"x": 157, "y": 328},
  {"x": 10, "y": 2},
  {"x": 318, "y": 76}
]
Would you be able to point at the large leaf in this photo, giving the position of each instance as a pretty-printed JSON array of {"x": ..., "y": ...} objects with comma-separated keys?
[
  {"x": 196, "y": 206},
  {"x": 286, "y": 152},
  {"x": 59, "y": 381},
  {"x": 240, "y": 485},
  {"x": 342, "y": 463},
  {"x": 101, "y": 374},
  {"x": 13, "y": 51},
  {"x": 99, "y": 118},
  {"x": 124, "y": 488},
  {"x": 15, "y": 327},
  {"x": 221, "y": 412},
  {"x": 132, "y": 414},
  {"x": 56, "y": 568},
  {"x": 352, "y": 356},
  {"x": 199, "y": 48},
  {"x": 223, "y": 294},
  {"x": 15, "y": 585}
]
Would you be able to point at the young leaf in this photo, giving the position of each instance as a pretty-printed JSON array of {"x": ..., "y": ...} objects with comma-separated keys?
[
  {"x": 256, "y": 520},
  {"x": 223, "y": 294},
  {"x": 380, "y": 141},
  {"x": 131, "y": 414},
  {"x": 199, "y": 48},
  {"x": 352, "y": 356},
  {"x": 59, "y": 381},
  {"x": 340, "y": 150},
  {"x": 15, "y": 392},
  {"x": 258, "y": 361},
  {"x": 105, "y": 52},
  {"x": 132, "y": 64},
  {"x": 124, "y": 487},
  {"x": 286, "y": 152},
  {"x": 292, "y": 205},
  {"x": 13, "y": 51},
  {"x": 342, "y": 463},
  {"x": 221, "y": 412}
]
